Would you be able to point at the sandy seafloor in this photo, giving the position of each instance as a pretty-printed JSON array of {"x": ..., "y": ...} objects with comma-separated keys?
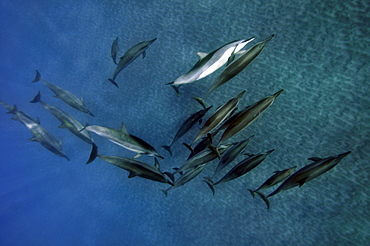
[{"x": 319, "y": 56}]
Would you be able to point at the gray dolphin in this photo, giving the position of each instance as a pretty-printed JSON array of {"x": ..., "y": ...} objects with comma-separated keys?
[
  {"x": 185, "y": 178},
  {"x": 68, "y": 122},
  {"x": 310, "y": 171},
  {"x": 114, "y": 50},
  {"x": 64, "y": 95},
  {"x": 247, "y": 116},
  {"x": 137, "y": 168},
  {"x": 239, "y": 170},
  {"x": 186, "y": 126},
  {"x": 209, "y": 63},
  {"x": 130, "y": 55},
  {"x": 237, "y": 66},
  {"x": 219, "y": 116},
  {"x": 122, "y": 138},
  {"x": 40, "y": 134}
]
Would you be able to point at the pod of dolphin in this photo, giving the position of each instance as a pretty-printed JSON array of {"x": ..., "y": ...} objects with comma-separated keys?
[{"x": 225, "y": 119}]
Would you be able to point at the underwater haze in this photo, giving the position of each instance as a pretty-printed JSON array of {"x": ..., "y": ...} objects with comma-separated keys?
[{"x": 319, "y": 56}]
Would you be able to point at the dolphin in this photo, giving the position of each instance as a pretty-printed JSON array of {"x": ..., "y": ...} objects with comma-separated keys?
[
  {"x": 40, "y": 134},
  {"x": 186, "y": 126},
  {"x": 209, "y": 63},
  {"x": 219, "y": 116},
  {"x": 136, "y": 168},
  {"x": 68, "y": 122},
  {"x": 64, "y": 95},
  {"x": 231, "y": 154},
  {"x": 310, "y": 171},
  {"x": 114, "y": 50},
  {"x": 239, "y": 170},
  {"x": 247, "y": 116},
  {"x": 186, "y": 177},
  {"x": 237, "y": 66},
  {"x": 122, "y": 138},
  {"x": 130, "y": 55}
]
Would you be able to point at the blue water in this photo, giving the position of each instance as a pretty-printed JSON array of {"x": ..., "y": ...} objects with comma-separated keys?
[{"x": 319, "y": 56}]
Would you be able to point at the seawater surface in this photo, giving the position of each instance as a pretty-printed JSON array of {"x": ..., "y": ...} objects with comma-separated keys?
[{"x": 319, "y": 56}]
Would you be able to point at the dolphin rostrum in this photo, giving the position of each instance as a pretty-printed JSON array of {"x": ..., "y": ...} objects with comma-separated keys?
[
  {"x": 122, "y": 138},
  {"x": 64, "y": 95},
  {"x": 130, "y": 55},
  {"x": 237, "y": 66},
  {"x": 186, "y": 126},
  {"x": 209, "y": 63},
  {"x": 114, "y": 50}
]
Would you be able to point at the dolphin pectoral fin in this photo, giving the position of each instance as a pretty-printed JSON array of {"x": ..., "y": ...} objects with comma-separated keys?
[
  {"x": 209, "y": 182},
  {"x": 144, "y": 54},
  {"x": 93, "y": 154},
  {"x": 189, "y": 147},
  {"x": 156, "y": 164},
  {"x": 200, "y": 101},
  {"x": 37, "y": 120},
  {"x": 302, "y": 181},
  {"x": 264, "y": 198},
  {"x": 113, "y": 82},
  {"x": 230, "y": 60},
  {"x": 176, "y": 88},
  {"x": 132, "y": 175},
  {"x": 214, "y": 150},
  {"x": 37, "y": 77},
  {"x": 137, "y": 156},
  {"x": 33, "y": 139}
]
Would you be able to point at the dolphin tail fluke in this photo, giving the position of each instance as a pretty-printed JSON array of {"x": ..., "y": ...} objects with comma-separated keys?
[
  {"x": 252, "y": 192},
  {"x": 37, "y": 77},
  {"x": 168, "y": 148},
  {"x": 37, "y": 98},
  {"x": 93, "y": 154},
  {"x": 264, "y": 198},
  {"x": 164, "y": 191},
  {"x": 210, "y": 183},
  {"x": 113, "y": 82}
]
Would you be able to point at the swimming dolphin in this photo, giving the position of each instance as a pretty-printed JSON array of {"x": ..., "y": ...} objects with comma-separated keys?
[
  {"x": 68, "y": 122},
  {"x": 40, "y": 134},
  {"x": 219, "y": 116},
  {"x": 186, "y": 126},
  {"x": 239, "y": 170},
  {"x": 122, "y": 138},
  {"x": 114, "y": 50},
  {"x": 209, "y": 63},
  {"x": 130, "y": 55},
  {"x": 64, "y": 95},
  {"x": 310, "y": 171},
  {"x": 137, "y": 168},
  {"x": 247, "y": 116},
  {"x": 237, "y": 66}
]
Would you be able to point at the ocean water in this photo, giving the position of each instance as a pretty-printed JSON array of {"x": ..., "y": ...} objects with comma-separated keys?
[{"x": 319, "y": 56}]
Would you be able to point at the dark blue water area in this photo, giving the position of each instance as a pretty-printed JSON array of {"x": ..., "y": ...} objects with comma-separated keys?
[{"x": 319, "y": 56}]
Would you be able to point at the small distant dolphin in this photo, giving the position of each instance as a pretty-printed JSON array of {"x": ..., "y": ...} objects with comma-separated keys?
[
  {"x": 247, "y": 116},
  {"x": 237, "y": 66},
  {"x": 209, "y": 63},
  {"x": 122, "y": 138},
  {"x": 64, "y": 95},
  {"x": 239, "y": 170},
  {"x": 40, "y": 134},
  {"x": 68, "y": 122},
  {"x": 114, "y": 50},
  {"x": 186, "y": 126},
  {"x": 310, "y": 171},
  {"x": 219, "y": 116},
  {"x": 137, "y": 168},
  {"x": 130, "y": 55}
]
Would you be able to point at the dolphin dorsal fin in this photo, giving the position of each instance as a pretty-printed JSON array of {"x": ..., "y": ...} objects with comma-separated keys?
[
  {"x": 123, "y": 128},
  {"x": 314, "y": 159},
  {"x": 37, "y": 120},
  {"x": 131, "y": 175},
  {"x": 201, "y": 55}
]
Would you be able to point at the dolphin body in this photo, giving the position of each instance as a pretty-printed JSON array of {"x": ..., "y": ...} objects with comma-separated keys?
[
  {"x": 186, "y": 126},
  {"x": 64, "y": 95},
  {"x": 185, "y": 178},
  {"x": 219, "y": 116},
  {"x": 239, "y": 170},
  {"x": 114, "y": 50},
  {"x": 209, "y": 63},
  {"x": 237, "y": 66},
  {"x": 137, "y": 168},
  {"x": 122, "y": 138},
  {"x": 130, "y": 55},
  {"x": 68, "y": 122},
  {"x": 310, "y": 171},
  {"x": 40, "y": 134},
  {"x": 247, "y": 116}
]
